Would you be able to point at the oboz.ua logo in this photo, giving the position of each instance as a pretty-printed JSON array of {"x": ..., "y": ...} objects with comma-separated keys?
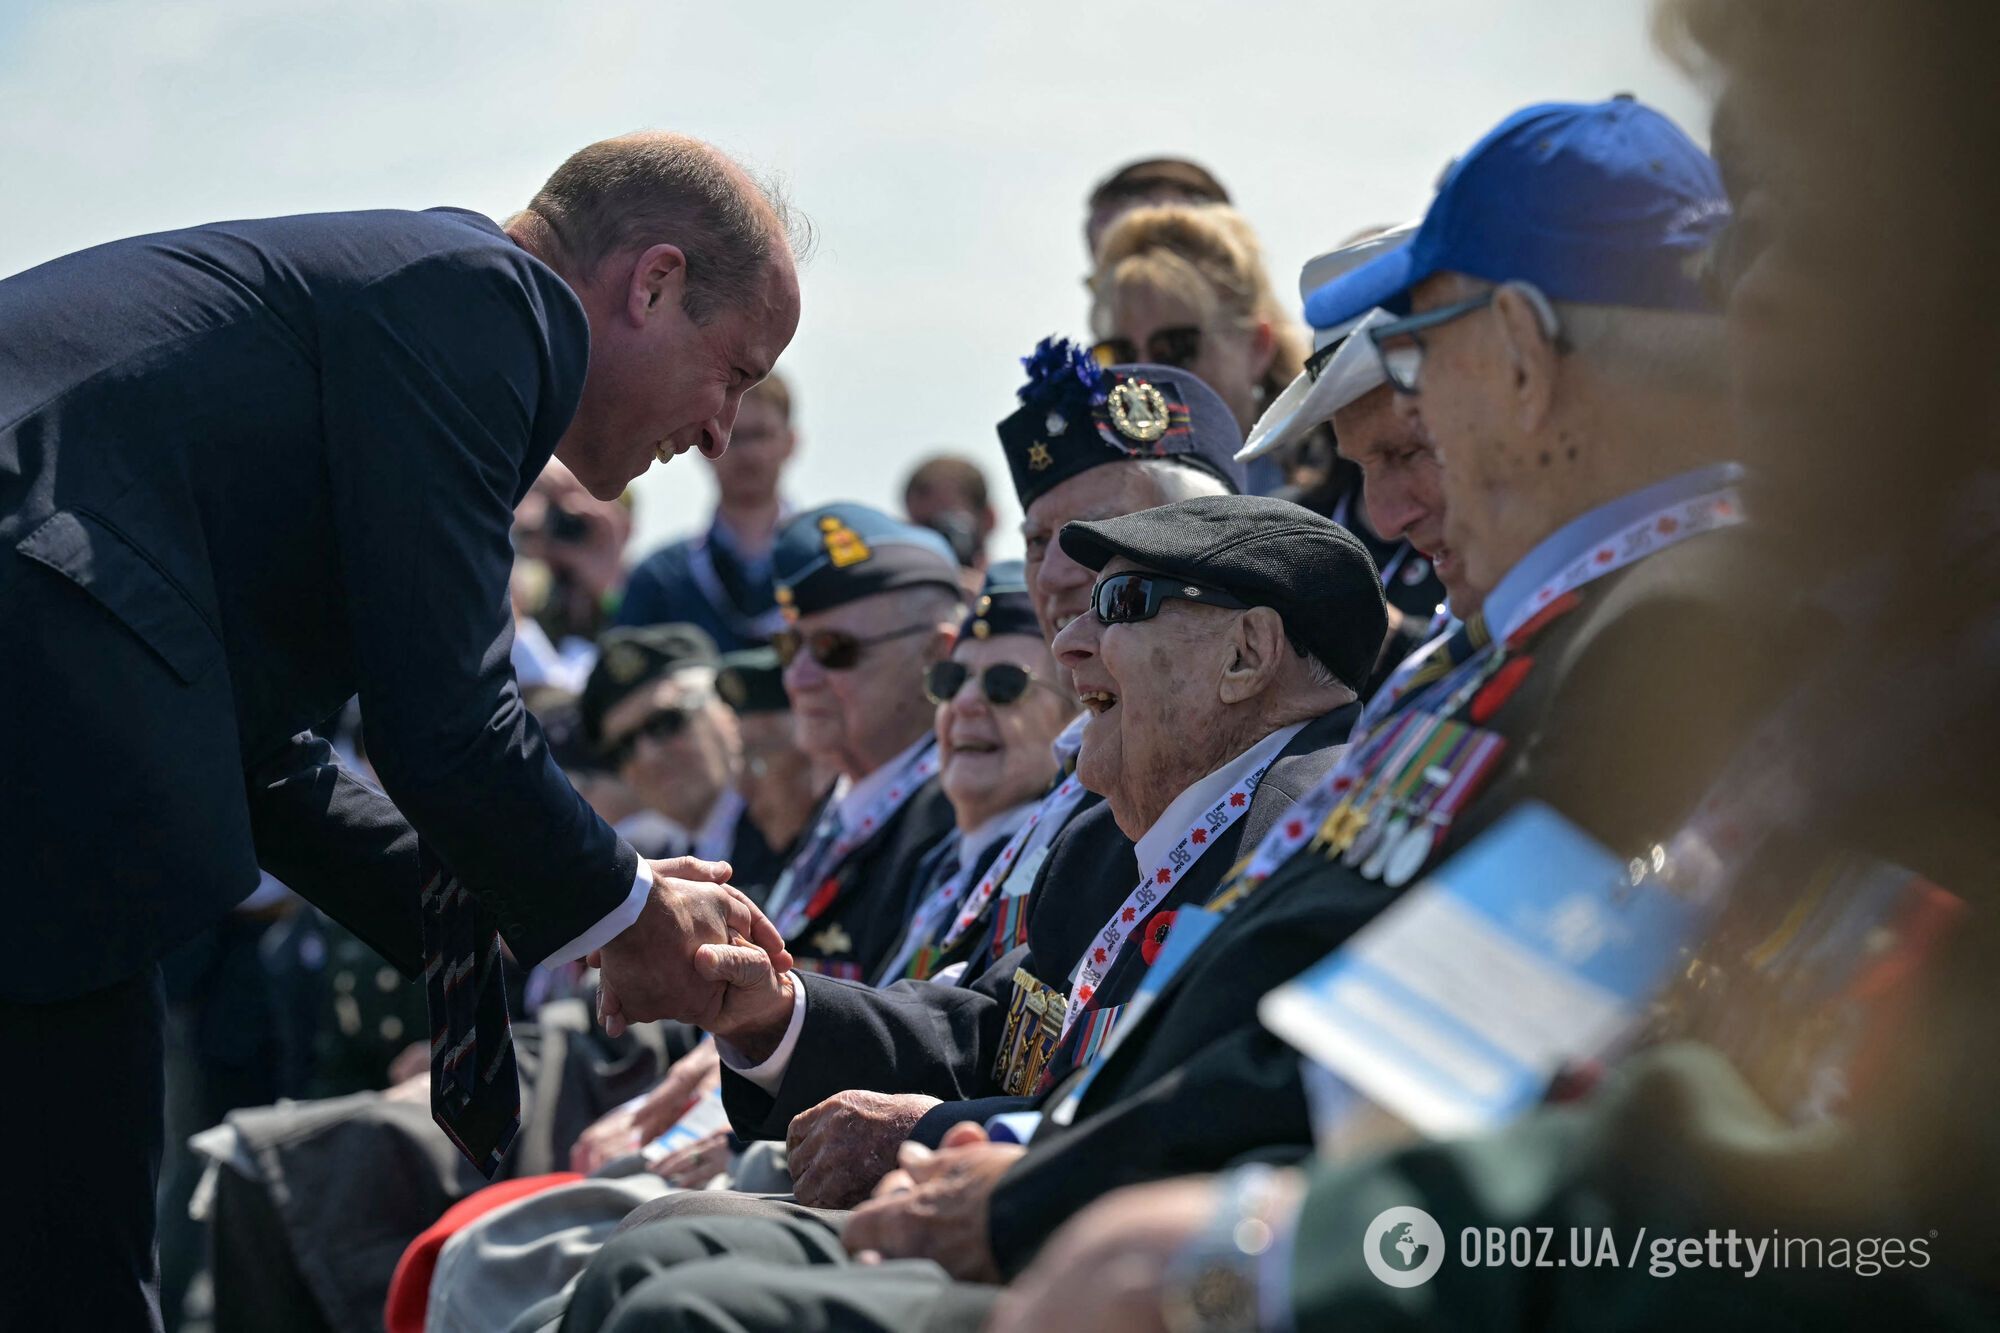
[{"x": 1403, "y": 1246}]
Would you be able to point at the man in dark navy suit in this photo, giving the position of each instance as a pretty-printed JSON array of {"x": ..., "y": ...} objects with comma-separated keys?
[{"x": 248, "y": 470}]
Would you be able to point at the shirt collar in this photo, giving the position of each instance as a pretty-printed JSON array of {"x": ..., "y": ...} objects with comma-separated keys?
[
  {"x": 1068, "y": 741},
  {"x": 1593, "y": 526},
  {"x": 1183, "y": 810},
  {"x": 973, "y": 845},
  {"x": 856, "y": 797}
]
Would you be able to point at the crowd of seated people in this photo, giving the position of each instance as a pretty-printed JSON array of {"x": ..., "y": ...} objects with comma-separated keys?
[{"x": 1458, "y": 757}]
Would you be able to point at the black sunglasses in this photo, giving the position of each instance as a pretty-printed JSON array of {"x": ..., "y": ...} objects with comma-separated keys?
[
  {"x": 1002, "y": 683},
  {"x": 1179, "y": 347},
  {"x": 662, "y": 725},
  {"x": 1124, "y": 599},
  {"x": 835, "y": 649}
]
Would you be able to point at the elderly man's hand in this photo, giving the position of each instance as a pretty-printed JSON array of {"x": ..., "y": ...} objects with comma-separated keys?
[
  {"x": 625, "y": 1129},
  {"x": 934, "y": 1206},
  {"x": 693, "y": 1166},
  {"x": 841, "y": 1148},
  {"x": 1105, "y": 1268},
  {"x": 651, "y": 971}
]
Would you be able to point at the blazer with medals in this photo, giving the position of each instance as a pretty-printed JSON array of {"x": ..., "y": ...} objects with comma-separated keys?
[
  {"x": 1198, "y": 1082},
  {"x": 852, "y": 937},
  {"x": 946, "y": 1041},
  {"x": 248, "y": 470}
]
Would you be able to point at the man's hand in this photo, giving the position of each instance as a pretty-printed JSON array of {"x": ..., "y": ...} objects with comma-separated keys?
[
  {"x": 625, "y": 1129},
  {"x": 693, "y": 1166},
  {"x": 1105, "y": 1268},
  {"x": 757, "y": 999},
  {"x": 650, "y": 972},
  {"x": 839, "y": 1149},
  {"x": 934, "y": 1206}
]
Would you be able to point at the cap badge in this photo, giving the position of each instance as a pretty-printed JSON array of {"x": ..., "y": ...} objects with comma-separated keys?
[
  {"x": 624, "y": 662},
  {"x": 843, "y": 544},
  {"x": 1039, "y": 457},
  {"x": 1138, "y": 411}
]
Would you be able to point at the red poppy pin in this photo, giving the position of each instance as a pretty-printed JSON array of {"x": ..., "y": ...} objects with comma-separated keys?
[{"x": 1153, "y": 935}]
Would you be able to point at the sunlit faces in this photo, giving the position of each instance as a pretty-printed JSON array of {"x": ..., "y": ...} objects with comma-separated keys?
[
  {"x": 1228, "y": 355},
  {"x": 1493, "y": 473},
  {"x": 1151, "y": 689},
  {"x": 996, "y": 756},
  {"x": 660, "y": 384},
  {"x": 1402, "y": 490},
  {"x": 1060, "y": 587},
  {"x": 856, "y": 719},
  {"x": 681, "y": 768}
]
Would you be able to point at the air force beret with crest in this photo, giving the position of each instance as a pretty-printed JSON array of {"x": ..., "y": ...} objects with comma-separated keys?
[
  {"x": 843, "y": 552},
  {"x": 1076, "y": 415},
  {"x": 1004, "y": 606}
]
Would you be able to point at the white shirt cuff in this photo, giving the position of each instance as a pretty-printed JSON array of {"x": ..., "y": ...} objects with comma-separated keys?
[
  {"x": 612, "y": 926},
  {"x": 769, "y": 1074}
]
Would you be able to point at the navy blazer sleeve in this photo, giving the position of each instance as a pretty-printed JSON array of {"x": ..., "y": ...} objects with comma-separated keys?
[{"x": 437, "y": 380}]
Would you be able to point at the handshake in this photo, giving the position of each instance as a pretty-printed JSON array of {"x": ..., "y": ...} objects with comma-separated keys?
[{"x": 699, "y": 953}]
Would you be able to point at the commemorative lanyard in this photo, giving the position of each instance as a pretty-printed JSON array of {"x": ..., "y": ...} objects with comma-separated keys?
[
  {"x": 1125, "y": 922},
  {"x": 917, "y": 934},
  {"x": 797, "y": 909},
  {"x": 1039, "y": 830},
  {"x": 1343, "y": 514},
  {"x": 1387, "y": 743}
]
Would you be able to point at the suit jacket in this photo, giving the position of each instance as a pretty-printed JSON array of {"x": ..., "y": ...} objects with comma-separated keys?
[
  {"x": 920, "y": 1036},
  {"x": 246, "y": 471},
  {"x": 1610, "y": 724},
  {"x": 855, "y": 934}
]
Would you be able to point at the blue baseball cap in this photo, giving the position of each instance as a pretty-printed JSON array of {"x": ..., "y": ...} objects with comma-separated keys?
[{"x": 1604, "y": 203}]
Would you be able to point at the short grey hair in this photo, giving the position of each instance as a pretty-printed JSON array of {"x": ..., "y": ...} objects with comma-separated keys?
[
  {"x": 653, "y": 187},
  {"x": 1671, "y": 349}
]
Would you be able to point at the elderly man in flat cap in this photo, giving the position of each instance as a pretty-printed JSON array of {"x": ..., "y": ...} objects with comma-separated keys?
[{"x": 1221, "y": 660}]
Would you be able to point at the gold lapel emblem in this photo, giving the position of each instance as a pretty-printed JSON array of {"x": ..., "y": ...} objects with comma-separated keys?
[
  {"x": 981, "y": 630},
  {"x": 843, "y": 544},
  {"x": 1138, "y": 411},
  {"x": 1039, "y": 457}
]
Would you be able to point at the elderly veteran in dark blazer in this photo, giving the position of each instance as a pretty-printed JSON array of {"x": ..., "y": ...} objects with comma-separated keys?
[{"x": 1220, "y": 661}]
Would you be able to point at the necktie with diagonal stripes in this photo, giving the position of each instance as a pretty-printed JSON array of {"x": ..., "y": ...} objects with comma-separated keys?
[{"x": 475, "y": 1090}]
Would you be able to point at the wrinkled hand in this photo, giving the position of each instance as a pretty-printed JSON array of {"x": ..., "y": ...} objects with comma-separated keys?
[
  {"x": 696, "y": 1164},
  {"x": 651, "y": 971},
  {"x": 625, "y": 1129},
  {"x": 1105, "y": 1268},
  {"x": 934, "y": 1206},
  {"x": 839, "y": 1149}
]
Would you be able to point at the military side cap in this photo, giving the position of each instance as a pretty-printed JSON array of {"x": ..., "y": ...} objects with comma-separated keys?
[
  {"x": 1076, "y": 415},
  {"x": 628, "y": 660},
  {"x": 843, "y": 552},
  {"x": 1313, "y": 572},
  {"x": 752, "y": 680},
  {"x": 1004, "y": 606}
]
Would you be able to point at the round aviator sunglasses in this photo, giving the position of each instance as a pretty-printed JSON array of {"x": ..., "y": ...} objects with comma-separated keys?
[
  {"x": 1002, "y": 683},
  {"x": 835, "y": 649}
]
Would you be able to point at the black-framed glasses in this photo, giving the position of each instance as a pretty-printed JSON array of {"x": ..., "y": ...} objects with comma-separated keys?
[
  {"x": 662, "y": 724},
  {"x": 835, "y": 649},
  {"x": 1399, "y": 343},
  {"x": 1179, "y": 346},
  {"x": 1002, "y": 683},
  {"x": 1124, "y": 599}
]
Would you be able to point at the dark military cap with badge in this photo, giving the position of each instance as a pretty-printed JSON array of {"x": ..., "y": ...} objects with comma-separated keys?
[
  {"x": 628, "y": 660},
  {"x": 1004, "y": 606},
  {"x": 1260, "y": 551},
  {"x": 1076, "y": 415},
  {"x": 843, "y": 552},
  {"x": 752, "y": 680}
]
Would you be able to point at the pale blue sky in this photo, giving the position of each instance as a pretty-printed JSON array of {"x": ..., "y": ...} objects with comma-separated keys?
[{"x": 942, "y": 150}]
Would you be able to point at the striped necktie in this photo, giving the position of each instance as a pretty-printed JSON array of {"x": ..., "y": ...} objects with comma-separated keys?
[{"x": 475, "y": 1090}]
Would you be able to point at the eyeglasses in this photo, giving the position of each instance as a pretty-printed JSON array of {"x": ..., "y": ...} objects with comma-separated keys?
[
  {"x": 1002, "y": 683},
  {"x": 1179, "y": 346},
  {"x": 1124, "y": 599},
  {"x": 835, "y": 649},
  {"x": 662, "y": 725},
  {"x": 1399, "y": 345}
]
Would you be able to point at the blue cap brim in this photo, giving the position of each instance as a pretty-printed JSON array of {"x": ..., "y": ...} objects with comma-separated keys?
[{"x": 1355, "y": 293}]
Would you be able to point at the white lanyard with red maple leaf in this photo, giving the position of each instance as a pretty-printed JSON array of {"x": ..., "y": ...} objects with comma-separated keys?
[{"x": 1156, "y": 885}]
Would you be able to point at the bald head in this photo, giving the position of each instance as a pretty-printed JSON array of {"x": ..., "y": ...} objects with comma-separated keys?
[{"x": 624, "y": 194}]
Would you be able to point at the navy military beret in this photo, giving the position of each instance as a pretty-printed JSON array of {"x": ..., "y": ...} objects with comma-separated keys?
[
  {"x": 843, "y": 552},
  {"x": 630, "y": 659}
]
